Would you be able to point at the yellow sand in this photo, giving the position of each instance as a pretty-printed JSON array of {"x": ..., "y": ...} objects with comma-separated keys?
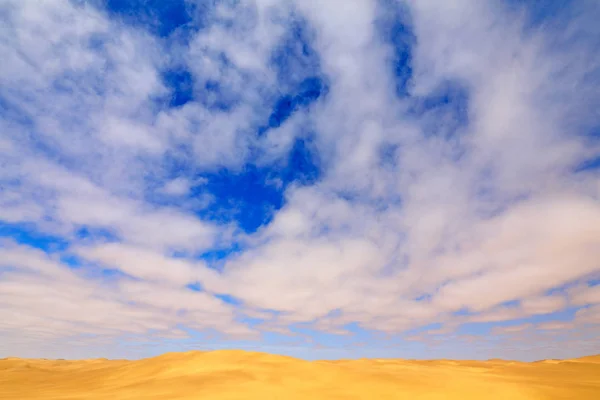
[{"x": 247, "y": 375}]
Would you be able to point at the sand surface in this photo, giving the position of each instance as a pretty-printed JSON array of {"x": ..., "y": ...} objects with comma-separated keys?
[{"x": 247, "y": 375}]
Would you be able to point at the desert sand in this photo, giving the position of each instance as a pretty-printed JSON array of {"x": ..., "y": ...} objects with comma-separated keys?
[{"x": 230, "y": 374}]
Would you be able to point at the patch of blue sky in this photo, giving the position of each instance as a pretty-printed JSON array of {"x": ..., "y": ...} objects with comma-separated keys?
[
  {"x": 109, "y": 274},
  {"x": 294, "y": 59},
  {"x": 175, "y": 163},
  {"x": 229, "y": 299},
  {"x": 359, "y": 333},
  {"x": 300, "y": 80},
  {"x": 216, "y": 257},
  {"x": 448, "y": 103},
  {"x": 195, "y": 287},
  {"x": 225, "y": 298},
  {"x": 443, "y": 114},
  {"x": 308, "y": 91},
  {"x": 330, "y": 340},
  {"x": 92, "y": 234},
  {"x": 444, "y": 111},
  {"x": 388, "y": 154},
  {"x": 52, "y": 244},
  {"x": 72, "y": 261},
  {"x": 283, "y": 109},
  {"x": 303, "y": 165},
  {"x": 97, "y": 271},
  {"x": 7, "y": 110},
  {"x": 13, "y": 112},
  {"x": 541, "y": 12},
  {"x": 591, "y": 164},
  {"x": 244, "y": 197},
  {"x": 29, "y": 235},
  {"x": 484, "y": 328},
  {"x": 251, "y": 197},
  {"x": 560, "y": 290},
  {"x": 395, "y": 28},
  {"x": 252, "y": 322},
  {"x": 564, "y": 288},
  {"x": 462, "y": 312},
  {"x": 343, "y": 336},
  {"x": 71, "y": 83},
  {"x": 423, "y": 297},
  {"x": 159, "y": 17},
  {"x": 185, "y": 86},
  {"x": 278, "y": 338},
  {"x": 424, "y": 329},
  {"x": 180, "y": 83},
  {"x": 213, "y": 96},
  {"x": 510, "y": 303}
]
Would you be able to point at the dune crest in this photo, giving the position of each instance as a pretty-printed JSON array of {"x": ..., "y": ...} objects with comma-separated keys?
[{"x": 232, "y": 374}]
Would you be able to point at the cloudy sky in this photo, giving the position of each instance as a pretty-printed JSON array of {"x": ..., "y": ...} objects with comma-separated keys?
[{"x": 323, "y": 179}]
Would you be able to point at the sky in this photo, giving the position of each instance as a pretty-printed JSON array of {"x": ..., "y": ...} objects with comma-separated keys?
[{"x": 321, "y": 179}]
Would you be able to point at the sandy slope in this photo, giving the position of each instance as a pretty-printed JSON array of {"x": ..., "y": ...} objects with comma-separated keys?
[{"x": 246, "y": 375}]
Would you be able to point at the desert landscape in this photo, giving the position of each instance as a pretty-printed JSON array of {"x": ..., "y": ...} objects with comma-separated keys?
[
  {"x": 323, "y": 179},
  {"x": 230, "y": 374}
]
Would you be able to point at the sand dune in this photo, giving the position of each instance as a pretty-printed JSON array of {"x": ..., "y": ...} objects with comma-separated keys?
[{"x": 248, "y": 375}]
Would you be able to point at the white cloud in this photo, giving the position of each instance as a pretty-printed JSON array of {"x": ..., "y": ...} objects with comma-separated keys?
[
  {"x": 49, "y": 300},
  {"x": 177, "y": 187},
  {"x": 148, "y": 265},
  {"x": 585, "y": 295},
  {"x": 491, "y": 214}
]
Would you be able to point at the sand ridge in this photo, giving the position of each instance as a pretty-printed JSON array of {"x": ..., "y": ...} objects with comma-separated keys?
[{"x": 232, "y": 374}]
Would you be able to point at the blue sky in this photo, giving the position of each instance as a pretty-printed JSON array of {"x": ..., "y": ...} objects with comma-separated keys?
[{"x": 324, "y": 180}]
